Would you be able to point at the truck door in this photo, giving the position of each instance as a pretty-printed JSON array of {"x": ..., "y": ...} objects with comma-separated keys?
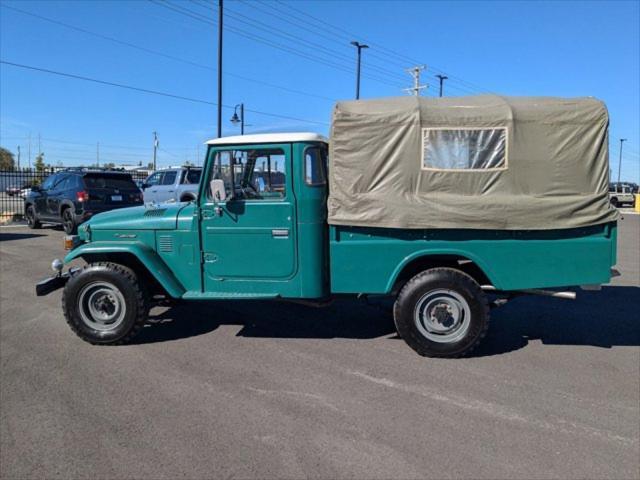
[{"x": 251, "y": 237}]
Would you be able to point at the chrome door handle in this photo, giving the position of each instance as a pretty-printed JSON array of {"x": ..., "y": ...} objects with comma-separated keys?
[{"x": 280, "y": 233}]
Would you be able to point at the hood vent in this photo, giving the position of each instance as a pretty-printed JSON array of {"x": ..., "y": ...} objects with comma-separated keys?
[
  {"x": 165, "y": 243},
  {"x": 156, "y": 212}
]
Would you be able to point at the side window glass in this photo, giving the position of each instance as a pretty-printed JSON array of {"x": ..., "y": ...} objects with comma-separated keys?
[
  {"x": 314, "y": 173},
  {"x": 154, "y": 179},
  {"x": 464, "y": 149},
  {"x": 259, "y": 174},
  {"x": 192, "y": 176},
  {"x": 169, "y": 177},
  {"x": 48, "y": 183},
  {"x": 63, "y": 183}
]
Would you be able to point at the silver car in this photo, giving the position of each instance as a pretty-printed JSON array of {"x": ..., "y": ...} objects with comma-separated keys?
[{"x": 172, "y": 185}]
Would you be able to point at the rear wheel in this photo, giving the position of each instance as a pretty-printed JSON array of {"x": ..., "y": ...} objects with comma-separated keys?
[
  {"x": 188, "y": 197},
  {"x": 614, "y": 201},
  {"x": 105, "y": 304},
  {"x": 32, "y": 219},
  {"x": 68, "y": 222},
  {"x": 441, "y": 312}
]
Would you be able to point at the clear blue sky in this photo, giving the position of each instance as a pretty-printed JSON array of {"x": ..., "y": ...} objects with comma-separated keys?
[{"x": 512, "y": 48}]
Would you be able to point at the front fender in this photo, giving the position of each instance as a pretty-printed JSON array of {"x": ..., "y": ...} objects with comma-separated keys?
[{"x": 148, "y": 257}]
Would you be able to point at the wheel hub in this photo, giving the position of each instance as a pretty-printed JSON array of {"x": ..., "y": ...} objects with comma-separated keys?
[
  {"x": 442, "y": 315},
  {"x": 101, "y": 306}
]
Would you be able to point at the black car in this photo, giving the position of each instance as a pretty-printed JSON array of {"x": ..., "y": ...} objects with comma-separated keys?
[{"x": 70, "y": 197}]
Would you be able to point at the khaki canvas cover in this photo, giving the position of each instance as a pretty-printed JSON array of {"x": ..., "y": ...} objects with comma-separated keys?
[{"x": 482, "y": 162}]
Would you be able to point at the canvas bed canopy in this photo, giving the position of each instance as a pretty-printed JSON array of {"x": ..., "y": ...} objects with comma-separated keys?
[{"x": 481, "y": 162}]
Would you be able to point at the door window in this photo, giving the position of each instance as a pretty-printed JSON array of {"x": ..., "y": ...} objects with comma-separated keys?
[
  {"x": 50, "y": 181},
  {"x": 258, "y": 174},
  {"x": 169, "y": 177},
  {"x": 154, "y": 179}
]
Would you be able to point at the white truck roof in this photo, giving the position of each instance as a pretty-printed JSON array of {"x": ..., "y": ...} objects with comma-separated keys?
[{"x": 270, "y": 138}]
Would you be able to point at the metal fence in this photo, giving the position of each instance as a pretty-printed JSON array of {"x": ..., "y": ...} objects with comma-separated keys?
[{"x": 16, "y": 184}]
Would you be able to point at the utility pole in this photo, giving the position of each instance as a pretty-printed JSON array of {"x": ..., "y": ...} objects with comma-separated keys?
[
  {"x": 18, "y": 157},
  {"x": 155, "y": 149},
  {"x": 415, "y": 73},
  {"x": 620, "y": 159},
  {"x": 39, "y": 149},
  {"x": 29, "y": 151},
  {"x": 442, "y": 78},
  {"x": 98, "y": 154},
  {"x": 220, "y": 18},
  {"x": 359, "y": 47}
]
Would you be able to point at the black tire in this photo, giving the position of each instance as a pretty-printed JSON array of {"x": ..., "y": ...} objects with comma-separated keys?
[
  {"x": 104, "y": 275},
  {"x": 614, "y": 202},
  {"x": 32, "y": 217},
  {"x": 68, "y": 222},
  {"x": 449, "y": 287},
  {"x": 189, "y": 197}
]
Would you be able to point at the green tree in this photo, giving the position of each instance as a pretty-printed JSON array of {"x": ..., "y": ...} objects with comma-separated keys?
[
  {"x": 109, "y": 165},
  {"x": 39, "y": 163},
  {"x": 7, "y": 161}
]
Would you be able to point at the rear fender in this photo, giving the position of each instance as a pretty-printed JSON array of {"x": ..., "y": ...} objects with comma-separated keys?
[{"x": 148, "y": 257}]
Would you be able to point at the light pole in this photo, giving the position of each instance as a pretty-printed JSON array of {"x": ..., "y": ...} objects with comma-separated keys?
[
  {"x": 220, "y": 18},
  {"x": 235, "y": 120},
  {"x": 442, "y": 78},
  {"x": 359, "y": 46},
  {"x": 620, "y": 159}
]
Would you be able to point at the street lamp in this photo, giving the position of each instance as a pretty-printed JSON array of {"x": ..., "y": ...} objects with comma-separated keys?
[
  {"x": 620, "y": 159},
  {"x": 235, "y": 119},
  {"x": 442, "y": 78},
  {"x": 359, "y": 46}
]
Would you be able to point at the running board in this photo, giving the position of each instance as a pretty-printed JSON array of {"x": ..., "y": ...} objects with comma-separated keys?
[{"x": 535, "y": 291}]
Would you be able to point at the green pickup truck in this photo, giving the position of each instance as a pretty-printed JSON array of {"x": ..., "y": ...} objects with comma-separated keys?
[{"x": 449, "y": 206}]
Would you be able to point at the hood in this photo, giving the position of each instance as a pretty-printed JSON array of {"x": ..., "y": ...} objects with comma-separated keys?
[{"x": 148, "y": 217}]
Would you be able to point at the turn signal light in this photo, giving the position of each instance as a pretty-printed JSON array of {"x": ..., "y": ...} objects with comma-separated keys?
[
  {"x": 70, "y": 242},
  {"x": 82, "y": 196}
]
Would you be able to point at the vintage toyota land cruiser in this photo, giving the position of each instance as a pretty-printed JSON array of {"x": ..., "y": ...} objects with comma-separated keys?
[{"x": 444, "y": 204}]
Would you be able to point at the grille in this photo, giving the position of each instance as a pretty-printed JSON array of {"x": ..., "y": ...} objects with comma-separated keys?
[{"x": 165, "y": 243}]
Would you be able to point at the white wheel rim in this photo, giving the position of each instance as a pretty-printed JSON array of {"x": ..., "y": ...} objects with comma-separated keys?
[
  {"x": 101, "y": 306},
  {"x": 442, "y": 316}
]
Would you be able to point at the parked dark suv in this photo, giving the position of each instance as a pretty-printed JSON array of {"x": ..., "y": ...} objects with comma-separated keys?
[{"x": 72, "y": 196}]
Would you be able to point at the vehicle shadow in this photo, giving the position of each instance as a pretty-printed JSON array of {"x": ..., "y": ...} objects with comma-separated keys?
[
  {"x": 604, "y": 319},
  {"x": 344, "y": 318},
  {"x": 6, "y": 237}
]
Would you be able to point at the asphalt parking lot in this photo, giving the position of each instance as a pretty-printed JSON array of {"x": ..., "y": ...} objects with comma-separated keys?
[{"x": 274, "y": 390}]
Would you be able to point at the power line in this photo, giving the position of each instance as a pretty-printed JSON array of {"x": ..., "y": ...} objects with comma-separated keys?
[
  {"x": 282, "y": 33},
  {"x": 266, "y": 41},
  {"x": 381, "y": 48},
  {"x": 167, "y": 56},
  {"x": 155, "y": 92}
]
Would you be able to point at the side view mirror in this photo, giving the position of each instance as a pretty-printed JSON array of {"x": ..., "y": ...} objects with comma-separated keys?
[{"x": 218, "y": 192}]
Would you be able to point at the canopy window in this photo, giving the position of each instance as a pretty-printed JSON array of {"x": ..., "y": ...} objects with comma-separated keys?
[{"x": 464, "y": 148}]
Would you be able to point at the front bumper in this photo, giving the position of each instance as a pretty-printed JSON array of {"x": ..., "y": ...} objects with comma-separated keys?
[{"x": 48, "y": 285}]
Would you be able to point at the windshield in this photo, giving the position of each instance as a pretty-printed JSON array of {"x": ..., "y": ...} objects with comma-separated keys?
[{"x": 122, "y": 182}]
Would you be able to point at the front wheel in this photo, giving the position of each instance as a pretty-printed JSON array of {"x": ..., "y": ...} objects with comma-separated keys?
[
  {"x": 105, "y": 304},
  {"x": 32, "y": 218},
  {"x": 441, "y": 312},
  {"x": 68, "y": 222}
]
